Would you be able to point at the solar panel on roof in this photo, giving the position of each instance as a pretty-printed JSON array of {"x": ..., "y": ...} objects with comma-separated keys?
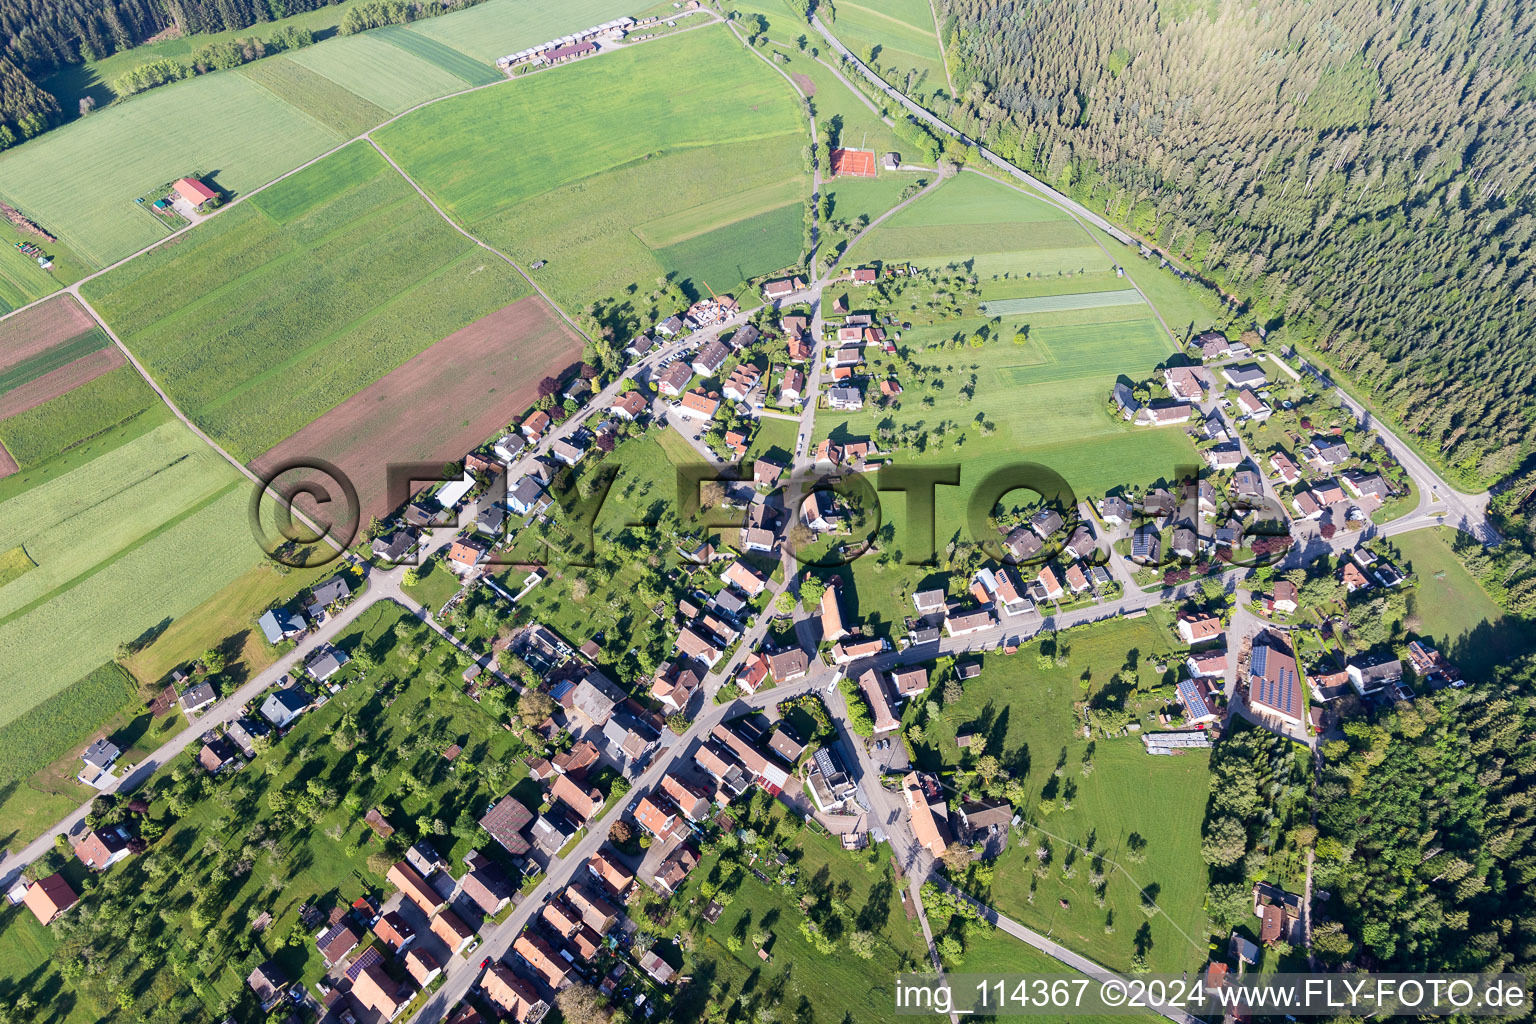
[{"x": 365, "y": 960}]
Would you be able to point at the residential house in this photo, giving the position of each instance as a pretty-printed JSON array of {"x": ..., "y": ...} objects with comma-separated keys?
[
  {"x": 674, "y": 686},
  {"x": 785, "y": 743},
  {"x": 1164, "y": 413},
  {"x": 269, "y": 984},
  {"x": 390, "y": 547},
  {"x": 577, "y": 760},
  {"x": 1284, "y": 468},
  {"x": 505, "y": 822},
  {"x": 925, "y": 825},
  {"x": 792, "y": 387},
  {"x": 614, "y": 876},
  {"x": 375, "y": 990},
  {"x": 565, "y": 450},
  {"x": 764, "y": 772},
  {"x": 1048, "y": 583},
  {"x": 451, "y": 929},
  {"x": 1353, "y": 578},
  {"x": 49, "y": 897},
  {"x": 196, "y": 697},
  {"x": 765, "y": 473},
  {"x": 335, "y": 942},
  {"x": 1081, "y": 544},
  {"x": 691, "y": 800},
  {"x": 710, "y": 357},
  {"x": 1116, "y": 511},
  {"x": 508, "y": 448},
  {"x": 847, "y": 651},
  {"x": 741, "y": 382},
  {"x": 1199, "y": 629},
  {"x": 526, "y": 496},
  {"x": 1008, "y": 593},
  {"x": 670, "y": 327},
  {"x": 696, "y": 645},
  {"x": 660, "y": 971},
  {"x": 845, "y": 397},
  {"x": 1022, "y": 544},
  {"x": 744, "y": 578},
  {"x": 1185, "y": 543},
  {"x": 674, "y": 379},
  {"x": 1045, "y": 522},
  {"x": 700, "y": 403},
  {"x": 832, "y": 629},
  {"x": 1244, "y": 375},
  {"x": 930, "y": 602},
  {"x": 1196, "y": 698},
  {"x": 1284, "y": 598},
  {"x": 422, "y": 967},
  {"x": 584, "y": 801},
  {"x": 279, "y": 624},
  {"x": 283, "y": 706},
  {"x": 1369, "y": 675},
  {"x": 534, "y": 426},
  {"x": 409, "y": 881},
  {"x": 1185, "y": 383},
  {"x": 1274, "y": 684},
  {"x": 656, "y": 814},
  {"x": 781, "y": 287},
  {"x": 1125, "y": 400},
  {"x": 1224, "y": 457},
  {"x": 1077, "y": 581},
  {"x": 1252, "y": 405},
  {"x": 541, "y": 958},
  {"x": 394, "y": 931},
  {"x": 325, "y": 661},
  {"x": 513, "y": 995},
  {"x": 965, "y": 623},
  {"x": 596, "y": 913},
  {"x": 629, "y": 405},
  {"x": 465, "y": 553},
  {"x": 1325, "y": 453},
  {"x": 675, "y": 867},
  {"x": 1146, "y": 545},
  {"x": 1207, "y": 664},
  {"x": 217, "y": 753},
  {"x": 785, "y": 666},
  {"x": 873, "y": 689},
  {"x": 593, "y": 699}
]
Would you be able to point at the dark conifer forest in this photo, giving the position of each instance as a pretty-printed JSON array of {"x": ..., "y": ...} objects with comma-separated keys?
[{"x": 1358, "y": 173}]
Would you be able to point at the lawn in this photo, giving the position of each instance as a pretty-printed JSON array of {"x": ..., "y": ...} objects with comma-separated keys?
[
  {"x": 855, "y": 990},
  {"x": 49, "y": 731},
  {"x": 1454, "y": 611},
  {"x": 225, "y": 621},
  {"x": 689, "y": 123},
  {"x": 80, "y": 181},
  {"x": 262, "y": 319},
  {"x": 435, "y": 584},
  {"x": 21, "y": 279},
  {"x": 321, "y": 846},
  {"x": 1025, "y": 714}
]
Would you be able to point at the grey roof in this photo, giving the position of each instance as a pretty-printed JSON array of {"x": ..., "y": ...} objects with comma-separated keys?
[
  {"x": 325, "y": 663},
  {"x": 526, "y": 493},
  {"x": 283, "y": 706},
  {"x": 279, "y": 623},
  {"x": 332, "y": 590},
  {"x": 394, "y": 545},
  {"x": 196, "y": 696},
  {"x": 1045, "y": 522},
  {"x": 101, "y": 753}
]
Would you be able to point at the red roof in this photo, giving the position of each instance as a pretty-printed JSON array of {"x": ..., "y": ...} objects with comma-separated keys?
[{"x": 193, "y": 191}]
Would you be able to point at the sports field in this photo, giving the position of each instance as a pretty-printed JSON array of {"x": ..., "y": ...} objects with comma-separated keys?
[
  {"x": 440, "y": 403},
  {"x": 684, "y": 154},
  {"x": 265, "y": 317},
  {"x": 138, "y": 534}
]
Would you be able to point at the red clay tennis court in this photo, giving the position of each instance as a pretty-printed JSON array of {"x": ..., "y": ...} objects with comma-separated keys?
[{"x": 853, "y": 163}]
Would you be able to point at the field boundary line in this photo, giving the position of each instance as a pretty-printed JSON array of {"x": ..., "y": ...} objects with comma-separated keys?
[
  {"x": 938, "y": 32},
  {"x": 484, "y": 245},
  {"x": 123, "y": 552}
]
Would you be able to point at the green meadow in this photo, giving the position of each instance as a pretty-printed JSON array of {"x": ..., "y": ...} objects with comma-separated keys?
[
  {"x": 44, "y": 431},
  {"x": 80, "y": 181},
  {"x": 684, "y": 155},
  {"x": 137, "y": 535},
  {"x": 902, "y": 35},
  {"x": 264, "y": 318},
  {"x": 1025, "y": 714}
]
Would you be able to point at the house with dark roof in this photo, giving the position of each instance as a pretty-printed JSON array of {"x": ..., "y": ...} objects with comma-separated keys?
[
  {"x": 196, "y": 698},
  {"x": 278, "y": 624},
  {"x": 506, "y": 822},
  {"x": 269, "y": 984},
  {"x": 1274, "y": 684},
  {"x": 49, "y": 897},
  {"x": 335, "y": 942}
]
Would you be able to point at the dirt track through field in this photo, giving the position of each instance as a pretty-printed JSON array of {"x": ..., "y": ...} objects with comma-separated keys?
[
  {"x": 439, "y": 404},
  {"x": 40, "y": 328},
  {"x": 66, "y": 378}
]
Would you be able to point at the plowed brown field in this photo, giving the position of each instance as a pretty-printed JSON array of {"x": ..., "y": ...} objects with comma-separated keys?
[
  {"x": 40, "y": 328},
  {"x": 439, "y": 404}
]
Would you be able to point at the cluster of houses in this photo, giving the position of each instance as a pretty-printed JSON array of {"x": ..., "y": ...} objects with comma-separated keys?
[
  {"x": 567, "y": 48},
  {"x": 982, "y": 824},
  {"x": 325, "y": 599},
  {"x": 1279, "y": 915}
]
